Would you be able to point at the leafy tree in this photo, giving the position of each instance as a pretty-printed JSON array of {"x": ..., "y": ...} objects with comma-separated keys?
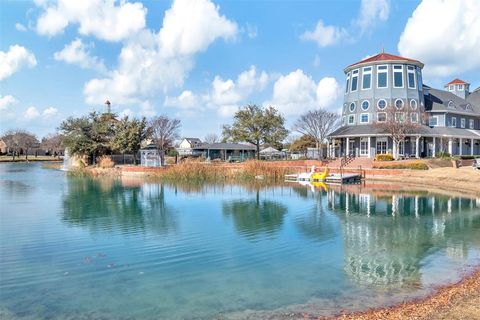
[
  {"x": 128, "y": 136},
  {"x": 17, "y": 140},
  {"x": 317, "y": 124},
  {"x": 164, "y": 132},
  {"x": 53, "y": 143},
  {"x": 256, "y": 125},
  {"x": 301, "y": 144}
]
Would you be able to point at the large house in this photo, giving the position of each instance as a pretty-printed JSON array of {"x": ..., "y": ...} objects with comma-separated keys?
[
  {"x": 449, "y": 119},
  {"x": 185, "y": 148}
]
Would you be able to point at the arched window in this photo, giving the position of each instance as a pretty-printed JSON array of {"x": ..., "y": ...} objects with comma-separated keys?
[
  {"x": 352, "y": 106},
  {"x": 451, "y": 105},
  {"x": 468, "y": 107},
  {"x": 365, "y": 105},
  {"x": 413, "y": 104},
  {"x": 344, "y": 107},
  {"x": 382, "y": 104},
  {"x": 399, "y": 103}
]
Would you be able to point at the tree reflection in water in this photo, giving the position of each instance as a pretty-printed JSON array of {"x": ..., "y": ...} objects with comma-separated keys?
[
  {"x": 106, "y": 205},
  {"x": 255, "y": 217},
  {"x": 387, "y": 236}
]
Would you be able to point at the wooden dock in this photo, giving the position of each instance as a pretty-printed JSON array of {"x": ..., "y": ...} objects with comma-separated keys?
[{"x": 344, "y": 178}]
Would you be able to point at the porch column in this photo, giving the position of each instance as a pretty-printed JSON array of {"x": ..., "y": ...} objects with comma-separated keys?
[
  {"x": 471, "y": 147},
  {"x": 417, "y": 147},
  {"x": 450, "y": 146},
  {"x": 369, "y": 147},
  {"x": 434, "y": 152},
  {"x": 461, "y": 146},
  {"x": 348, "y": 147}
]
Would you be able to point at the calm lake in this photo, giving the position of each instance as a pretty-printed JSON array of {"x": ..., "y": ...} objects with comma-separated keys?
[{"x": 81, "y": 248}]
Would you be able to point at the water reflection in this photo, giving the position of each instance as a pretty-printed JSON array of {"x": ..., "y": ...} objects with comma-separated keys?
[
  {"x": 387, "y": 234},
  {"x": 255, "y": 217},
  {"x": 111, "y": 205}
]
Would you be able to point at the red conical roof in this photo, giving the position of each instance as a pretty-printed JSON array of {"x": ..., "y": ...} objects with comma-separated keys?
[{"x": 384, "y": 57}]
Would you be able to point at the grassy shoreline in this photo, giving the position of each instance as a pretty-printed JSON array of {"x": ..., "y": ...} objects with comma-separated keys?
[{"x": 4, "y": 159}]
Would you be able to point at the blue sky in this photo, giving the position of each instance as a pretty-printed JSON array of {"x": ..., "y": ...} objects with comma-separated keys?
[{"x": 199, "y": 60}]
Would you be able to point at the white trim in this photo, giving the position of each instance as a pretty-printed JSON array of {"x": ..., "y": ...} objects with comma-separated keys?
[
  {"x": 378, "y": 102},
  {"x": 368, "y": 118},
  {"x": 416, "y": 104},
  {"x": 368, "y": 103},
  {"x": 384, "y": 114},
  {"x": 412, "y": 71},
  {"x": 403, "y": 104},
  {"x": 367, "y": 73},
  {"x": 351, "y": 116},
  {"x": 451, "y": 105},
  {"x": 471, "y": 123},
  {"x": 382, "y": 71},
  {"x": 354, "y": 107},
  {"x": 433, "y": 125},
  {"x": 354, "y": 75},
  {"x": 463, "y": 122},
  {"x": 451, "y": 124},
  {"x": 348, "y": 83},
  {"x": 393, "y": 76}
]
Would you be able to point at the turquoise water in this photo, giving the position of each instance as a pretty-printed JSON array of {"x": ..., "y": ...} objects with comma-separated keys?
[{"x": 78, "y": 248}]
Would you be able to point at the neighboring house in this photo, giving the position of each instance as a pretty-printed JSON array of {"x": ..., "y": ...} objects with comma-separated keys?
[
  {"x": 225, "y": 151},
  {"x": 3, "y": 147},
  {"x": 185, "y": 148},
  {"x": 449, "y": 118}
]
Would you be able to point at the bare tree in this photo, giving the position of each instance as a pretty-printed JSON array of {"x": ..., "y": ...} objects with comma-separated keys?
[
  {"x": 212, "y": 138},
  {"x": 53, "y": 143},
  {"x": 398, "y": 124},
  {"x": 19, "y": 139},
  {"x": 164, "y": 132},
  {"x": 317, "y": 124}
]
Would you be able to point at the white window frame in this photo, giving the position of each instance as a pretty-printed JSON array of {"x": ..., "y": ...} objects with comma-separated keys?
[
  {"x": 354, "y": 107},
  {"x": 348, "y": 83},
  {"x": 451, "y": 105},
  {"x": 468, "y": 107},
  {"x": 344, "y": 120},
  {"x": 393, "y": 75},
  {"x": 351, "y": 116},
  {"x": 368, "y": 103},
  {"x": 471, "y": 123},
  {"x": 384, "y": 114},
  {"x": 462, "y": 123},
  {"x": 451, "y": 87},
  {"x": 454, "y": 122},
  {"x": 397, "y": 114},
  {"x": 361, "y": 118},
  {"x": 459, "y": 86},
  {"x": 411, "y": 69},
  {"x": 382, "y": 71},
  {"x": 355, "y": 74},
  {"x": 378, "y": 104},
  {"x": 416, "y": 117},
  {"x": 436, "y": 121},
  {"x": 367, "y": 72},
  {"x": 416, "y": 104},
  {"x": 403, "y": 104}
]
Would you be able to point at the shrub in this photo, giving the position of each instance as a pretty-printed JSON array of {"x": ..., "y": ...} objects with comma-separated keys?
[
  {"x": 444, "y": 154},
  {"x": 408, "y": 165},
  {"x": 105, "y": 162},
  {"x": 384, "y": 157}
]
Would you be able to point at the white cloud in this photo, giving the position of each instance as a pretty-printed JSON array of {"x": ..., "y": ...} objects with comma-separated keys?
[
  {"x": 31, "y": 113},
  {"x": 297, "y": 92},
  {"x": 14, "y": 59},
  {"x": 6, "y": 101},
  {"x": 78, "y": 53},
  {"x": 324, "y": 35},
  {"x": 49, "y": 113},
  {"x": 151, "y": 63},
  {"x": 186, "y": 100},
  {"x": 371, "y": 12},
  {"x": 20, "y": 27},
  {"x": 445, "y": 35},
  {"x": 105, "y": 19}
]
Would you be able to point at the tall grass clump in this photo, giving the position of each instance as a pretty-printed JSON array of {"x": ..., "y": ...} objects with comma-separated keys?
[
  {"x": 195, "y": 171},
  {"x": 258, "y": 169}
]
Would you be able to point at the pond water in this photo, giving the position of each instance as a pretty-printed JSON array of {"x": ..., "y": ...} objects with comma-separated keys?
[{"x": 80, "y": 248}]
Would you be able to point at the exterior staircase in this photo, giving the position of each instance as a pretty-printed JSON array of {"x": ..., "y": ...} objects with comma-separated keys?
[{"x": 352, "y": 162}]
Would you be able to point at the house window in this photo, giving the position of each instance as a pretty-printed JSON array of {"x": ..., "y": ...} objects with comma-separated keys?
[
  {"x": 364, "y": 118},
  {"x": 381, "y": 104},
  {"x": 471, "y": 124},
  {"x": 344, "y": 120},
  {"x": 414, "y": 117},
  {"x": 381, "y": 116},
  {"x": 348, "y": 82},
  {"x": 367, "y": 78},
  {"x": 399, "y": 103},
  {"x": 462, "y": 123},
  {"x": 451, "y": 105},
  {"x": 454, "y": 122},
  {"x": 411, "y": 77},
  {"x": 382, "y": 76},
  {"x": 433, "y": 121},
  {"x": 354, "y": 80},
  {"x": 399, "y": 116},
  {"x": 398, "y": 76},
  {"x": 351, "y": 119},
  {"x": 460, "y": 87},
  {"x": 352, "y": 106},
  {"x": 365, "y": 105},
  {"x": 413, "y": 104},
  {"x": 468, "y": 107},
  {"x": 450, "y": 87}
]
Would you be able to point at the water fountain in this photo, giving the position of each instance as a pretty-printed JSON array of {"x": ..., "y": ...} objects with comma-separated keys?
[{"x": 67, "y": 161}]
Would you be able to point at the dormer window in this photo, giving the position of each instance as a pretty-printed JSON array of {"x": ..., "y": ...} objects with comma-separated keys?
[
  {"x": 468, "y": 107},
  {"x": 451, "y": 105}
]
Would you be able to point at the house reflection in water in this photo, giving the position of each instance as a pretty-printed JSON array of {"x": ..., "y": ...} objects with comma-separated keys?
[{"x": 387, "y": 234}]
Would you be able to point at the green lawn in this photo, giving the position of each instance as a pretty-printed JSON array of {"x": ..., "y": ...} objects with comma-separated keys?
[{"x": 30, "y": 158}]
